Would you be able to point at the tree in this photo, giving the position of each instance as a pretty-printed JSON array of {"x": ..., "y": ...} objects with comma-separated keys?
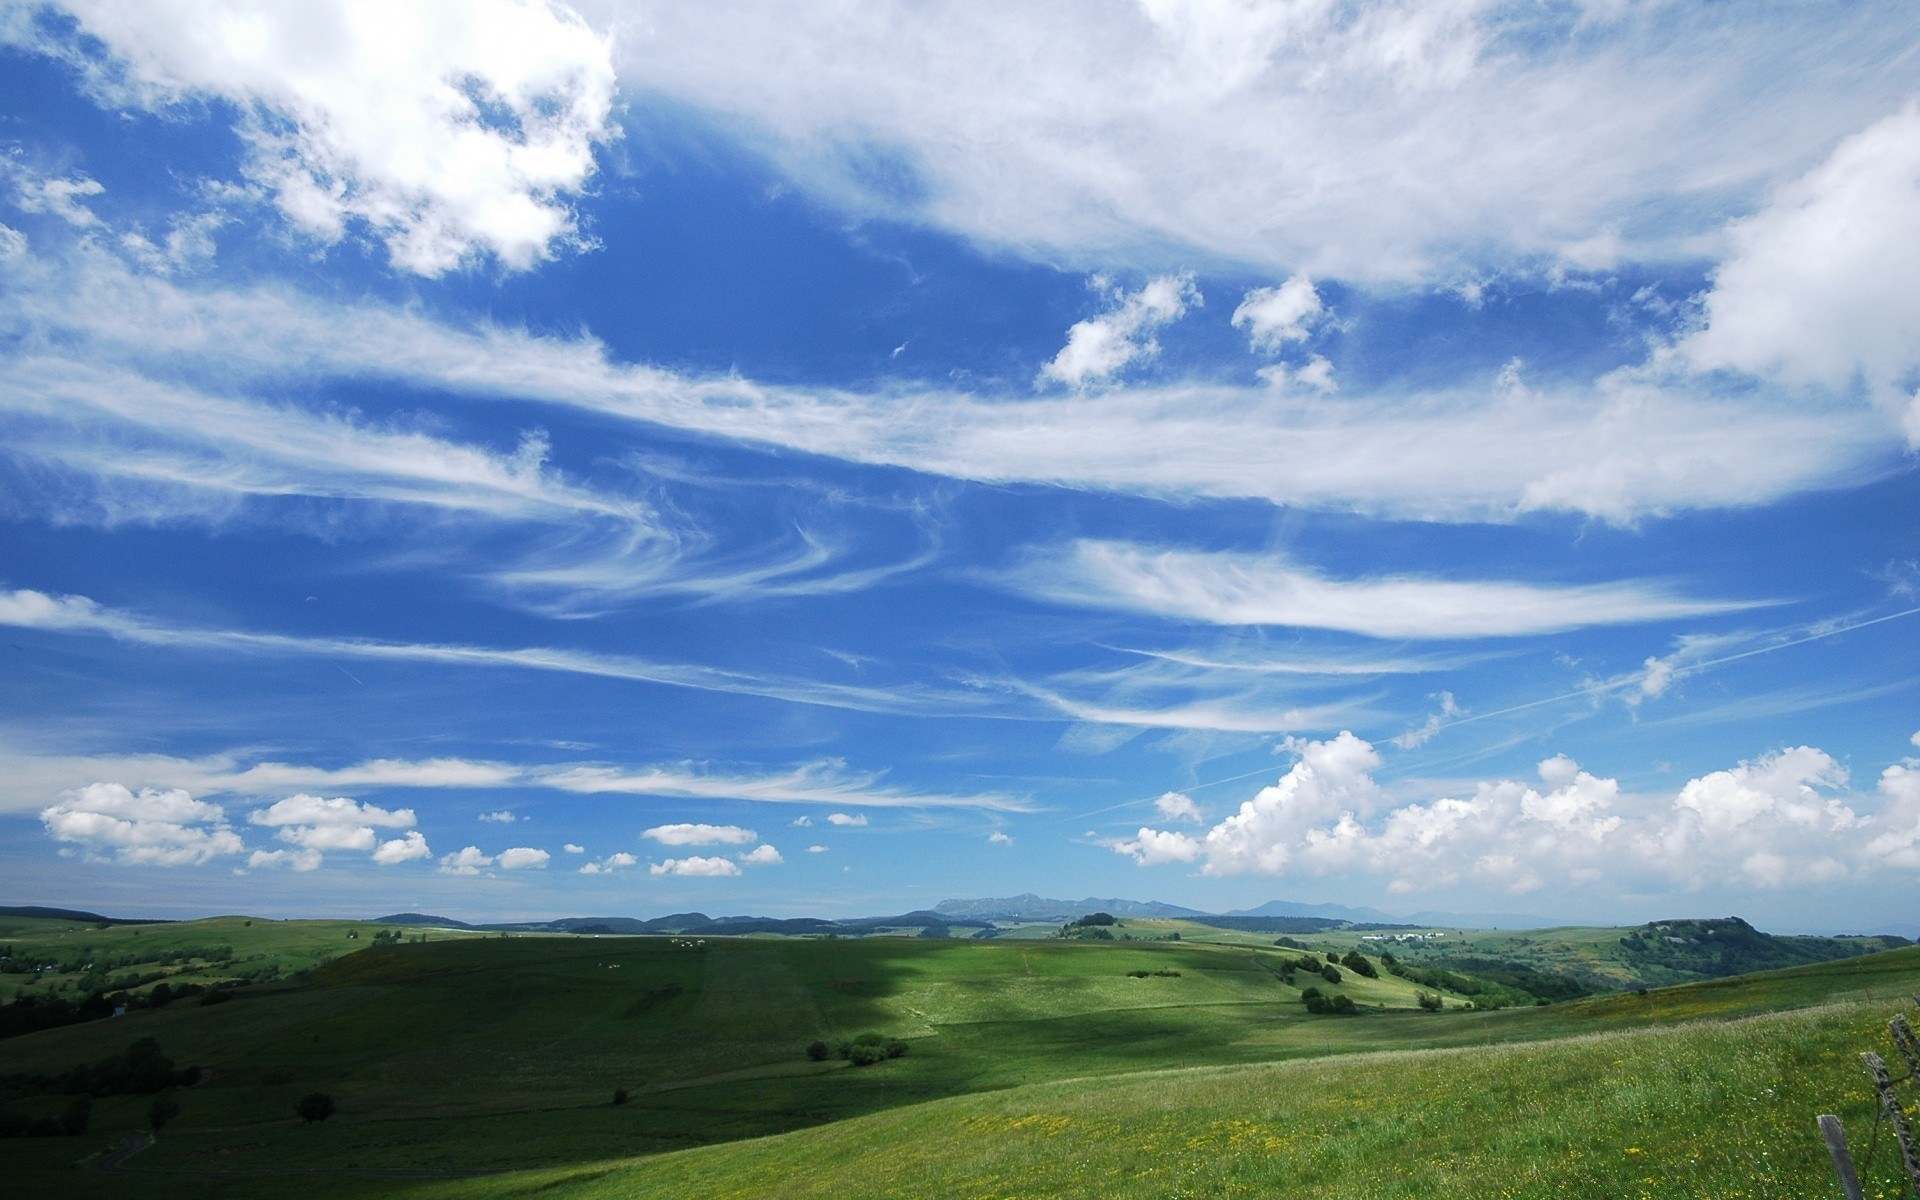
[
  {"x": 74, "y": 1121},
  {"x": 1429, "y": 1001},
  {"x": 1330, "y": 973},
  {"x": 1358, "y": 962},
  {"x": 162, "y": 1110},
  {"x": 619, "y": 1095},
  {"x": 314, "y": 1106},
  {"x": 818, "y": 1051}
]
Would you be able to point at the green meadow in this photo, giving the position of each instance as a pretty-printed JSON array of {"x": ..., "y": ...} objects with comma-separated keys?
[{"x": 483, "y": 1066}]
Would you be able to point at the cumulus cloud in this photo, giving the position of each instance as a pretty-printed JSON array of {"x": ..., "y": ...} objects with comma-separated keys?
[
  {"x": 1226, "y": 588},
  {"x": 466, "y": 861},
  {"x": 317, "y": 825},
  {"x": 696, "y": 866},
  {"x": 802, "y": 822},
  {"x": 571, "y": 848},
  {"x": 150, "y": 827},
  {"x": 1099, "y": 346},
  {"x": 699, "y": 835},
  {"x": 293, "y": 860},
  {"x": 1817, "y": 290},
  {"x": 762, "y": 856},
  {"x": 1275, "y": 316},
  {"x": 410, "y": 846},
  {"x": 450, "y": 130},
  {"x": 840, "y": 818},
  {"x": 816, "y": 849},
  {"x": 521, "y": 858},
  {"x": 502, "y": 817},
  {"x": 1177, "y": 806},
  {"x": 1778, "y": 819},
  {"x": 613, "y": 862},
  {"x": 998, "y": 838}
]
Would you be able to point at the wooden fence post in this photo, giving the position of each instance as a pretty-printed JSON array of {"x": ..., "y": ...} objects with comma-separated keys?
[
  {"x": 1836, "y": 1136},
  {"x": 1909, "y": 1044},
  {"x": 1896, "y": 1117}
]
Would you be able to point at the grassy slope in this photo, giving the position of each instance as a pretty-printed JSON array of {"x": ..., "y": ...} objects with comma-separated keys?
[{"x": 490, "y": 1052}]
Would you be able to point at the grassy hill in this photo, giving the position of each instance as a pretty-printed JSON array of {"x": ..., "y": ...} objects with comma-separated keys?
[{"x": 491, "y": 1053}]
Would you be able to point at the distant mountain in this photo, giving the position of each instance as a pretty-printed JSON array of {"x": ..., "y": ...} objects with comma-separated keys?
[
  {"x": 695, "y": 923},
  {"x": 69, "y": 914},
  {"x": 1029, "y": 907},
  {"x": 1331, "y": 912},
  {"x": 422, "y": 919}
]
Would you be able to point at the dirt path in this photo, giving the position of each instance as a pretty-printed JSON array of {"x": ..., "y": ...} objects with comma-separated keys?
[{"x": 129, "y": 1145}]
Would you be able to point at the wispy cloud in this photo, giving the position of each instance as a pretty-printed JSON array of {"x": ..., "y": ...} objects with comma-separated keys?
[
  {"x": 825, "y": 781},
  {"x": 1246, "y": 589}
]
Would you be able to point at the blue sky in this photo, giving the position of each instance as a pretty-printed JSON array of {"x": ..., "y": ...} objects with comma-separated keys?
[{"x": 511, "y": 460}]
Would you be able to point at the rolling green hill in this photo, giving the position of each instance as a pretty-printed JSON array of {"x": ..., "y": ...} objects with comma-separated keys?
[{"x": 487, "y": 1053}]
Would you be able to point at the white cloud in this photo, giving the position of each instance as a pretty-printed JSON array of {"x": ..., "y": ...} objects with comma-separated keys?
[
  {"x": 611, "y": 863},
  {"x": 762, "y": 856},
  {"x": 1099, "y": 346},
  {"x": 149, "y": 827},
  {"x": 998, "y": 838},
  {"x": 1435, "y": 722},
  {"x": 571, "y": 848},
  {"x": 451, "y": 129},
  {"x": 520, "y": 858},
  {"x": 316, "y": 825},
  {"x": 1766, "y": 823},
  {"x": 378, "y": 772},
  {"x": 841, "y": 818},
  {"x": 56, "y": 196},
  {"x": 1275, "y": 316},
  {"x": 816, "y": 849},
  {"x": 1248, "y": 589},
  {"x": 802, "y": 822},
  {"x": 467, "y": 861},
  {"x": 695, "y": 866},
  {"x": 700, "y": 835},
  {"x": 823, "y": 781},
  {"x": 402, "y": 849},
  {"x": 293, "y": 860},
  {"x": 1393, "y": 141},
  {"x": 1151, "y": 847},
  {"x": 1818, "y": 288},
  {"x": 502, "y": 817},
  {"x": 1175, "y": 806}
]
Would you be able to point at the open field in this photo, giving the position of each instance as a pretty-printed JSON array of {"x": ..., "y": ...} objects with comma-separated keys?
[{"x": 488, "y": 1053}]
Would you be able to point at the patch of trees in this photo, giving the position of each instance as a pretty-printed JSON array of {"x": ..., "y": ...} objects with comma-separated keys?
[
  {"x": 1716, "y": 948},
  {"x": 1289, "y": 943},
  {"x": 1143, "y": 973},
  {"x": 318, "y": 1106},
  {"x": 1359, "y": 964},
  {"x": 140, "y": 1069},
  {"x": 30, "y": 1013},
  {"x": 1098, "y": 918},
  {"x": 1319, "y": 1002},
  {"x": 71, "y": 1123},
  {"x": 862, "y": 1051},
  {"x": 1491, "y": 982}
]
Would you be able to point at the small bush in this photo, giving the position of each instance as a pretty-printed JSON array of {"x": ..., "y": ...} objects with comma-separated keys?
[
  {"x": 162, "y": 1110},
  {"x": 1343, "y": 1005},
  {"x": 1309, "y": 993},
  {"x": 1429, "y": 1001},
  {"x": 1316, "y": 1003},
  {"x": 1168, "y": 972},
  {"x": 619, "y": 1096},
  {"x": 1359, "y": 964},
  {"x": 818, "y": 1051},
  {"x": 79, "y": 1114},
  {"x": 1138, "y": 974},
  {"x": 313, "y": 1107},
  {"x": 1330, "y": 973}
]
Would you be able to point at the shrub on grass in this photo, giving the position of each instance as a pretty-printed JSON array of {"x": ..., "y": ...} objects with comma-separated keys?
[
  {"x": 1138, "y": 974},
  {"x": 314, "y": 1106},
  {"x": 79, "y": 1114},
  {"x": 619, "y": 1096},
  {"x": 1330, "y": 973},
  {"x": 818, "y": 1051},
  {"x": 1358, "y": 962},
  {"x": 1429, "y": 1001},
  {"x": 1315, "y": 1003},
  {"x": 162, "y": 1110},
  {"x": 870, "y": 1048},
  {"x": 1343, "y": 1005}
]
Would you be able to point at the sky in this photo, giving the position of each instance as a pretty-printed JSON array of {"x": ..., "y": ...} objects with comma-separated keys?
[{"x": 511, "y": 460}]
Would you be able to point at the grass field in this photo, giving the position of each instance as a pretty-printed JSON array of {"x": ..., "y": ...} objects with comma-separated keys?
[{"x": 487, "y": 1054}]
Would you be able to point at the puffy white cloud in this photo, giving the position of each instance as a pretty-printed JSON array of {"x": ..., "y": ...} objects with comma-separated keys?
[
  {"x": 571, "y": 848},
  {"x": 402, "y": 849},
  {"x": 1177, "y": 806},
  {"x": 502, "y": 817},
  {"x": 521, "y": 858},
  {"x": 295, "y": 860},
  {"x": 1151, "y": 847},
  {"x": 841, "y": 818},
  {"x": 696, "y": 865},
  {"x": 816, "y": 849},
  {"x": 1818, "y": 288},
  {"x": 466, "y": 861},
  {"x": 998, "y": 838},
  {"x": 762, "y": 855},
  {"x": 699, "y": 835},
  {"x": 450, "y": 128},
  {"x": 1228, "y": 588},
  {"x": 150, "y": 827},
  {"x": 1099, "y": 346},
  {"x": 1275, "y": 316},
  {"x": 57, "y": 196},
  {"x": 1766, "y": 823},
  {"x": 611, "y": 863},
  {"x": 802, "y": 822},
  {"x": 318, "y": 824}
]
